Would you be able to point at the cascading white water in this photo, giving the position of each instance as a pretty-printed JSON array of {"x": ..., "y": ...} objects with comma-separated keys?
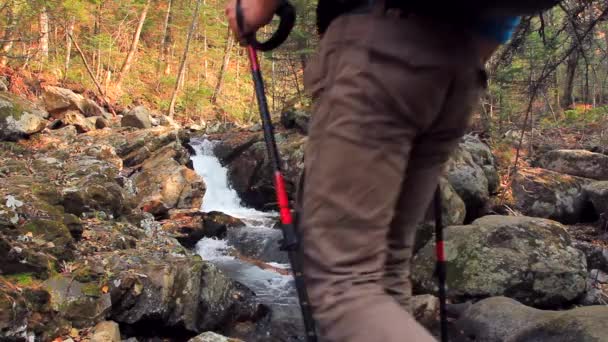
[
  {"x": 269, "y": 286},
  {"x": 219, "y": 196}
]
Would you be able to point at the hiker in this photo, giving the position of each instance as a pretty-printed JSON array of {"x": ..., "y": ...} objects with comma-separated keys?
[{"x": 393, "y": 92}]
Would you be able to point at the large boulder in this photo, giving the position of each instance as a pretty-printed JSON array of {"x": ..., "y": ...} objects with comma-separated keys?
[
  {"x": 176, "y": 292},
  {"x": 529, "y": 259},
  {"x": 553, "y": 195},
  {"x": 26, "y": 313},
  {"x": 189, "y": 226},
  {"x": 138, "y": 117},
  {"x": 502, "y": 319},
  {"x": 597, "y": 192},
  {"x": 58, "y": 99},
  {"x": 469, "y": 181},
  {"x": 19, "y": 118},
  {"x": 581, "y": 163},
  {"x": 83, "y": 304},
  {"x": 164, "y": 183},
  {"x": 259, "y": 243},
  {"x": 94, "y": 188}
]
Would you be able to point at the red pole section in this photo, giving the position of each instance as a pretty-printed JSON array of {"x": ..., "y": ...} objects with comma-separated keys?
[{"x": 286, "y": 217}]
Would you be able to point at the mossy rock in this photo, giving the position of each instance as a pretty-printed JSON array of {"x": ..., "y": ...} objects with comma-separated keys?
[
  {"x": 83, "y": 304},
  {"x": 59, "y": 241},
  {"x": 529, "y": 259},
  {"x": 19, "y": 118}
]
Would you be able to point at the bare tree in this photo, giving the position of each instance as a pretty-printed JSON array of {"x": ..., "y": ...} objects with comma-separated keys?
[
  {"x": 182, "y": 67},
  {"x": 43, "y": 19},
  {"x": 166, "y": 39},
  {"x": 9, "y": 31},
  {"x": 68, "y": 44},
  {"x": 129, "y": 59},
  {"x": 226, "y": 60}
]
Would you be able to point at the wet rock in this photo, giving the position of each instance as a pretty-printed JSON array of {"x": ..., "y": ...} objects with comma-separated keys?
[
  {"x": 19, "y": 118},
  {"x": 259, "y": 243},
  {"x": 217, "y": 224},
  {"x": 548, "y": 194},
  {"x": 599, "y": 276},
  {"x": 176, "y": 291},
  {"x": 598, "y": 195},
  {"x": 469, "y": 182},
  {"x": 164, "y": 183},
  {"x": 503, "y": 319},
  {"x": 251, "y": 175},
  {"x": 581, "y": 163},
  {"x": 138, "y": 117},
  {"x": 212, "y": 337},
  {"x": 106, "y": 331},
  {"x": 78, "y": 120},
  {"x": 529, "y": 259},
  {"x": 82, "y": 304}
]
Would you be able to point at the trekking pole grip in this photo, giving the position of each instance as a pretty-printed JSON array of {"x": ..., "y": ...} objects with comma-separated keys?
[{"x": 287, "y": 16}]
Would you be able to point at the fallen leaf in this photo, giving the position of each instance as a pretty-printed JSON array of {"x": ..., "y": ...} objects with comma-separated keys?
[
  {"x": 58, "y": 339},
  {"x": 74, "y": 333},
  {"x": 30, "y": 234},
  {"x": 105, "y": 289}
]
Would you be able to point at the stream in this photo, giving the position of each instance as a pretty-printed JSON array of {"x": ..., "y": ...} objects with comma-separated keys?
[{"x": 258, "y": 239}]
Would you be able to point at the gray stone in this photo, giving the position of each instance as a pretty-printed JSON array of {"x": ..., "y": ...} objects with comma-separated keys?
[
  {"x": 81, "y": 304},
  {"x": 138, "y": 117},
  {"x": 106, "y": 331},
  {"x": 529, "y": 259},
  {"x": 548, "y": 194},
  {"x": 469, "y": 182},
  {"x": 581, "y": 163},
  {"x": 19, "y": 118},
  {"x": 212, "y": 337},
  {"x": 58, "y": 99},
  {"x": 501, "y": 319},
  {"x": 598, "y": 195}
]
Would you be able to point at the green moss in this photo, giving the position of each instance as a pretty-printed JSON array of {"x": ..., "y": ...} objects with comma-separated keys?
[
  {"x": 14, "y": 110},
  {"x": 21, "y": 279},
  {"x": 91, "y": 289}
]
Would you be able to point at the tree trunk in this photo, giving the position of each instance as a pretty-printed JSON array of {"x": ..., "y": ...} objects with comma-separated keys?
[
  {"x": 220, "y": 77},
  {"x": 8, "y": 37},
  {"x": 571, "y": 65},
  {"x": 182, "y": 66},
  {"x": 129, "y": 59},
  {"x": 165, "y": 43},
  {"x": 44, "y": 33},
  {"x": 68, "y": 45}
]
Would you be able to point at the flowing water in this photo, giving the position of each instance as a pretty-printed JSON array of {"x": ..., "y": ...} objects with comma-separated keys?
[{"x": 273, "y": 289}]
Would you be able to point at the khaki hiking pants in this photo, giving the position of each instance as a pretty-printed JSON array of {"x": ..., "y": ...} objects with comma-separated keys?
[{"x": 392, "y": 97}]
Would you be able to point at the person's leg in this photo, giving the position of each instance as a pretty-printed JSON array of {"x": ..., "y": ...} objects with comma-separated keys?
[
  {"x": 431, "y": 150},
  {"x": 371, "y": 108}
]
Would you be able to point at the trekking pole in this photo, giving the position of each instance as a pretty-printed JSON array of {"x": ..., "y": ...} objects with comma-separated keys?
[
  {"x": 441, "y": 265},
  {"x": 290, "y": 242}
]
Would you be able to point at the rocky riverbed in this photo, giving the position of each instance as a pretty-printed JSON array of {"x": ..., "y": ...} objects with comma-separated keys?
[{"x": 134, "y": 228}]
